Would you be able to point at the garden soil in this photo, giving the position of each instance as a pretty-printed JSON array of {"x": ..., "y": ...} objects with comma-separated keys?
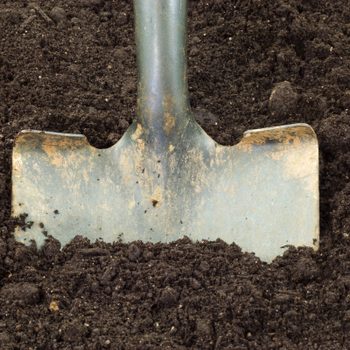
[{"x": 69, "y": 66}]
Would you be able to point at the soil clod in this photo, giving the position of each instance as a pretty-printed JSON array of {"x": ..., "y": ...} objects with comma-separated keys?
[
  {"x": 28, "y": 293},
  {"x": 283, "y": 100}
]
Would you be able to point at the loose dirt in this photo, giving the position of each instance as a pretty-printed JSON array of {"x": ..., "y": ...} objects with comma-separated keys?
[{"x": 69, "y": 66}]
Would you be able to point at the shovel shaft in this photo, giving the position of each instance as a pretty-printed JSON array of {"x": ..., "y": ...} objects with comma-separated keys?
[{"x": 163, "y": 105}]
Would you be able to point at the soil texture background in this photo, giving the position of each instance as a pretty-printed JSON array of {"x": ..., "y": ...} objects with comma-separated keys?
[{"x": 69, "y": 66}]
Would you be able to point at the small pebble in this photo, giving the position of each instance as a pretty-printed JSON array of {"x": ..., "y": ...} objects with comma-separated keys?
[
  {"x": 105, "y": 16},
  {"x": 75, "y": 21},
  {"x": 53, "y": 307},
  {"x": 58, "y": 14},
  {"x": 196, "y": 40},
  {"x": 95, "y": 332},
  {"x": 283, "y": 99}
]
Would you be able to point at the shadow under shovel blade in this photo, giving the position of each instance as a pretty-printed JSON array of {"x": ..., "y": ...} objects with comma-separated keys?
[{"x": 261, "y": 194}]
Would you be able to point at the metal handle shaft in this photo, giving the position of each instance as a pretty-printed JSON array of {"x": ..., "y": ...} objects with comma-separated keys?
[{"x": 163, "y": 104}]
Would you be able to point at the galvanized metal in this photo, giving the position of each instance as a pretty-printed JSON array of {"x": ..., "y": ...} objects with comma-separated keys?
[{"x": 166, "y": 177}]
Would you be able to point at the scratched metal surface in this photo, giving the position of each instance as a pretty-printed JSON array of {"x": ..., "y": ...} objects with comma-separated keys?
[{"x": 261, "y": 193}]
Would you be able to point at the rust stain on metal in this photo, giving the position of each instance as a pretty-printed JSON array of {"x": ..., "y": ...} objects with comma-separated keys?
[
  {"x": 136, "y": 136},
  {"x": 169, "y": 118},
  {"x": 219, "y": 156},
  {"x": 168, "y": 103},
  {"x": 53, "y": 154},
  {"x": 141, "y": 144},
  {"x": 17, "y": 163},
  {"x": 198, "y": 179},
  {"x": 157, "y": 197},
  {"x": 169, "y": 122},
  {"x": 282, "y": 136},
  {"x": 60, "y": 149},
  {"x": 138, "y": 132}
]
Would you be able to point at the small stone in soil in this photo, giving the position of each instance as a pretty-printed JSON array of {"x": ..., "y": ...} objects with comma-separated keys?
[
  {"x": 58, "y": 14},
  {"x": 53, "y": 307},
  {"x": 75, "y": 21},
  {"x": 283, "y": 99}
]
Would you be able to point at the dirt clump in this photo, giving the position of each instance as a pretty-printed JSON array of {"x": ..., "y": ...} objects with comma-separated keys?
[{"x": 283, "y": 99}]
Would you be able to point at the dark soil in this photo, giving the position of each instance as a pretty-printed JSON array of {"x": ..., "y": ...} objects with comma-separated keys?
[{"x": 70, "y": 66}]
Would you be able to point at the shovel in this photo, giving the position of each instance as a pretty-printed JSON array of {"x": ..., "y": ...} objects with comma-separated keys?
[{"x": 166, "y": 178}]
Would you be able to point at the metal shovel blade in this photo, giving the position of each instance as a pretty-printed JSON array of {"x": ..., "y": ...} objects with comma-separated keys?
[
  {"x": 166, "y": 177},
  {"x": 261, "y": 193}
]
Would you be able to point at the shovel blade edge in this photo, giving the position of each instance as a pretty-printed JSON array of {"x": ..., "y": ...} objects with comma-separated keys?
[{"x": 261, "y": 194}]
